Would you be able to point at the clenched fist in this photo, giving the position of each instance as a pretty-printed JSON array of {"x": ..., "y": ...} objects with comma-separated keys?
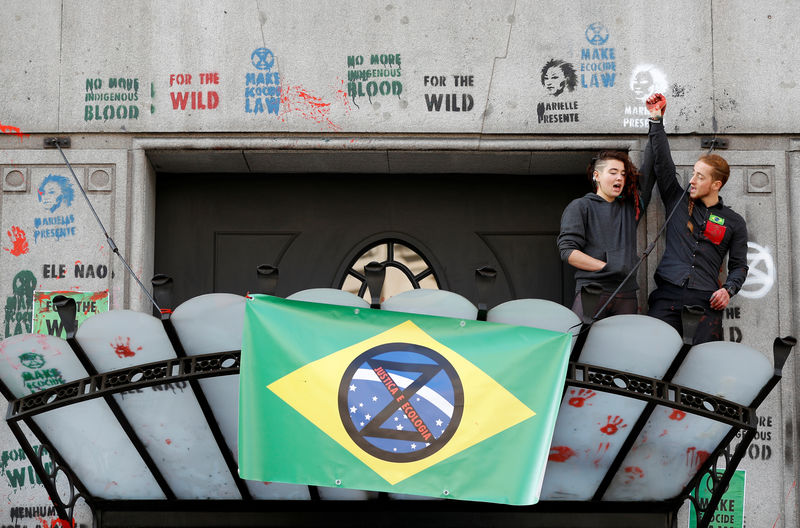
[{"x": 657, "y": 105}]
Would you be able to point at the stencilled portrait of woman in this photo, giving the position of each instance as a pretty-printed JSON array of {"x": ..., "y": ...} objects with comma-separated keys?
[
  {"x": 557, "y": 76},
  {"x": 54, "y": 192}
]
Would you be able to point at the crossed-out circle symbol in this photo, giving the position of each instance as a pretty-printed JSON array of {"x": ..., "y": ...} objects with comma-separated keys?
[
  {"x": 759, "y": 281},
  {"x": 400, "y": 402},
  {"x": 262, "y": 59},
  {"x": 596, "y": 34}
]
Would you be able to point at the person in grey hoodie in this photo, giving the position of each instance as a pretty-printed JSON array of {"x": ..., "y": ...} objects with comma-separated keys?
[{"x": 598, "y": 230}]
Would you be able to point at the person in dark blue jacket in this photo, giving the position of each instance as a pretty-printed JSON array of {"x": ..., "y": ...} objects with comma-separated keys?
[
  {"x": 598, "y": 231},
  {"x": 699, "y": 235}
]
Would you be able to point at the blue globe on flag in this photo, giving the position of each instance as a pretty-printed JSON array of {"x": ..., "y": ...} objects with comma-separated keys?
[{"x": 400, "y": 401}]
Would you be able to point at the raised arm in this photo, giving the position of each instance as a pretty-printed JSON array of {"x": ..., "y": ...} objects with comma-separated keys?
[{"x": 663, "y": 165}]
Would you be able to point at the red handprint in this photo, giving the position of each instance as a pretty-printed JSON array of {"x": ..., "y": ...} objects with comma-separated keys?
[
  {"x": 560, "y": 453},
  {"x": 18, "y": 241},
  {"x": 632, "y": 473},
  {"x": 613, "y": 425},
  {"x": 695, "y": 458},
  {"x": 677, "y": 415},
  {"x": 602, "y": 449},
  {"x": 56, "y": 523},
  {"x": 579, "y": 399},
  {"x": 123, "y": 349}
]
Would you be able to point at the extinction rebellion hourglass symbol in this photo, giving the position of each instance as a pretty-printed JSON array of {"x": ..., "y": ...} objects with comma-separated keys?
[{"x": 400, "y": 402}]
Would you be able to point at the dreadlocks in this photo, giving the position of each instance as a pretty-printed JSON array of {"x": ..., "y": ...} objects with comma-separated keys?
[{"x": 629, "y": 188}]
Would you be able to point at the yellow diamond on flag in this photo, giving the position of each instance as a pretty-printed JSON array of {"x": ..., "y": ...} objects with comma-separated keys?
[{"x": 401, "y": 401}]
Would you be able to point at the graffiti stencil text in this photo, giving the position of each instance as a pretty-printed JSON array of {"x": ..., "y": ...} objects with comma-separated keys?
[
  {"x": 195, "y": 99},
  {"x": 380, "y": 66}
]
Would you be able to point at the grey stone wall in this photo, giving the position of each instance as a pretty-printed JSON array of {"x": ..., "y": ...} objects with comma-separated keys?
[
  {"x": 138, "y": 83},
  {"x": 379, "y": 67}
]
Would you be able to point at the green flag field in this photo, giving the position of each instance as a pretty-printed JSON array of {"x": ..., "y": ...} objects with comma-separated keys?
[{"x": 387, "y": 401}]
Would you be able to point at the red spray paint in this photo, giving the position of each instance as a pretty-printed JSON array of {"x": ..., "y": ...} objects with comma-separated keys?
[
  {"x": 579, "y": 399},
  {"x": 560, "y": 453},
  {"x": 677, "y": 415},
  {"x": 19, "y": 242},
  {"x": 123, "y": 349},
  {"x": 613, "y": 425}
]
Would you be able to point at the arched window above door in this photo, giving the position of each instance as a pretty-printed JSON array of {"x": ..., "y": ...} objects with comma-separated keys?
[{"x": 406, "y": 269}]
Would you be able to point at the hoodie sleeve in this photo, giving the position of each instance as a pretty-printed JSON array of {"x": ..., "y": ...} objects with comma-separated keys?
[
  {"x": 573, "y": 230},
  {"x": 647, "y": 178}
]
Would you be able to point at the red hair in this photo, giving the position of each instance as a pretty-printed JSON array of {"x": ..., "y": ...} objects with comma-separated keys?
[
  {"x": 631, "y": 175},
  {"x": 720, "y": 170}
]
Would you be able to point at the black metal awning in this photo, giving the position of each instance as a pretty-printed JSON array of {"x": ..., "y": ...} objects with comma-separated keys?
[{"x": 143, "y": 413}]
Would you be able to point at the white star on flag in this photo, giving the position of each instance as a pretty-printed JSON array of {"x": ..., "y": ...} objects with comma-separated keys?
[
  {"x": 352, "y": 388},
  {"x": 352, "y": 409},
  {"x": 439, "y": 423},
  {"x": 374, "y": 398},
  {"x": 413, "y": 446},
  {"x": 399, "y": 427},
  {"x": 368, "y": 417}
]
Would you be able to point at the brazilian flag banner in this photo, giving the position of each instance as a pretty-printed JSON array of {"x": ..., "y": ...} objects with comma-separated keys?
[{"x": 387, "y": 401}]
